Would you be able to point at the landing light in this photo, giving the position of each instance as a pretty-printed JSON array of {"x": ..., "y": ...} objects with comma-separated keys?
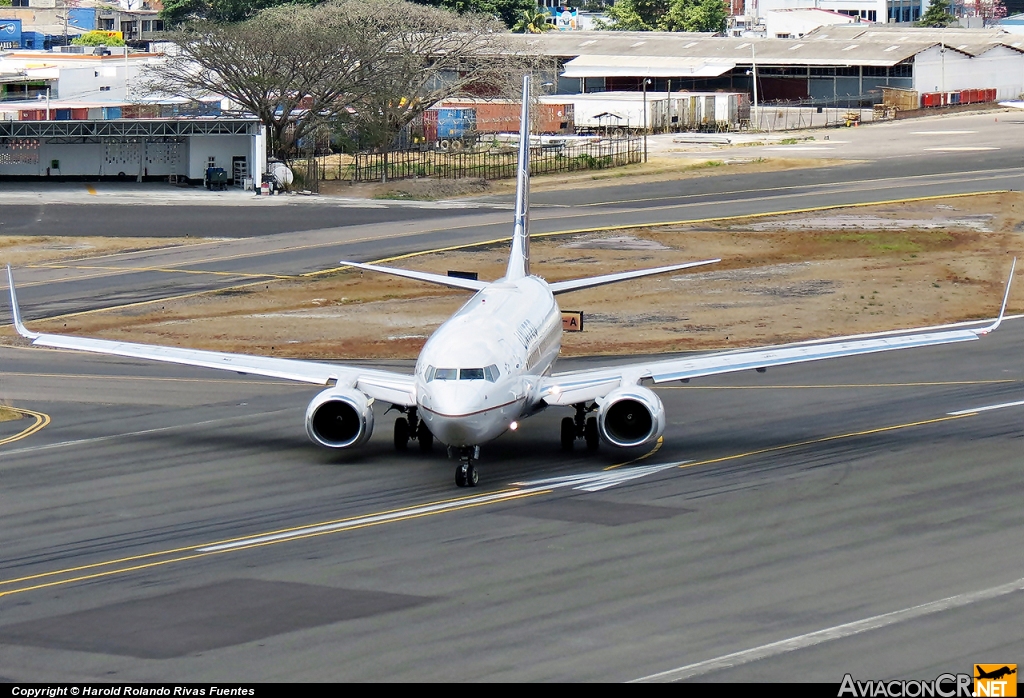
[{"x": 513, "y": 426}]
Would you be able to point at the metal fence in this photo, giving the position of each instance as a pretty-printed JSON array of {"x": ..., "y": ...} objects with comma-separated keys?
[{"x": 483, "y": 164}]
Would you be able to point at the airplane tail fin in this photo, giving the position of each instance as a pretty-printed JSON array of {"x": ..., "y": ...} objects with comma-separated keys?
[
  {"x": 519, "y": 258},
  {"x": 16, "y": 309}
]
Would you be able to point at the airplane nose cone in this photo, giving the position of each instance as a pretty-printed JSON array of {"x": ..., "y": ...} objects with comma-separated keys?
[{"x": 458, "y": 415}]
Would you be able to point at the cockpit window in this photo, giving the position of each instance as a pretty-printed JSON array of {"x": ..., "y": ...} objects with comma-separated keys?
[{"x": 489, "y": 373}]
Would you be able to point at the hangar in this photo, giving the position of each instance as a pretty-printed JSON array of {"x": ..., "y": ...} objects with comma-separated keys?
[{"x": 133, "y": 148}]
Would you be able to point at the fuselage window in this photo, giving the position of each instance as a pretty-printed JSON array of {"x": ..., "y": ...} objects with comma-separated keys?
[
  {"x": 446, "y": 374},
  {"x": 471, "y": 374}
]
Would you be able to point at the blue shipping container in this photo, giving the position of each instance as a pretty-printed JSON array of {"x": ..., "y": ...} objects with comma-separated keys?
[
  {"x": 455, "y": 123},
  {"x": 111, "y": 112},
  {"x": 63, "y": 115}
]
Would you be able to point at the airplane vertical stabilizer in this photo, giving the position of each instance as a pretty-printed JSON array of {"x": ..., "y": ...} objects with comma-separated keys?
[{"x": 519, "y": 259}]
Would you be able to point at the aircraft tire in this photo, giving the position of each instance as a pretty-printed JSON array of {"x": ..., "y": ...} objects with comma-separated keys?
[
  {"x": 568, "y": 434},
  {"x": 591, "y": 435},
  {"x": 425, "y": 438},
  {"x": 401, "y": 434}
]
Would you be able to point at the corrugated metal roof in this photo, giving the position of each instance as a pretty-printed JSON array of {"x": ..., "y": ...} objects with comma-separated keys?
[
  {"x": 644, "y": 66},
  {"x": 839, "y": 45}
]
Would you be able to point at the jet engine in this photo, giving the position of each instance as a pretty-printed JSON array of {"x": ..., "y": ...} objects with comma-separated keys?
[
  {"x": 339, "y": 418},
  {"x": 630, "y": 416}
]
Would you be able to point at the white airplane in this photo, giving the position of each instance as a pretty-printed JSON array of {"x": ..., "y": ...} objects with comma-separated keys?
[
  {"x": 490, "y": 365},
  {"x": 1014, "y": 105}
]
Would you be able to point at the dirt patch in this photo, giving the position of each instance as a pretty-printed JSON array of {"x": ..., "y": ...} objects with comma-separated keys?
[
  {"x": 21, "y": 250},
  {"x": 784, "y": 284}
]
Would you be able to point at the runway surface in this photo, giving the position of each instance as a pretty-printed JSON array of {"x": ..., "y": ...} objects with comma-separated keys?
[{"x": 807, "y": 499}]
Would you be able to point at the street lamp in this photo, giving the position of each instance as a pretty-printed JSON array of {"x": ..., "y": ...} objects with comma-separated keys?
[{"x": 647, "y": 81}]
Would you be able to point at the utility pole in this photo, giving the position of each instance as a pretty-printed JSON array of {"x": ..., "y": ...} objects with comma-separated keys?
[{"x": 646, "y": 82}]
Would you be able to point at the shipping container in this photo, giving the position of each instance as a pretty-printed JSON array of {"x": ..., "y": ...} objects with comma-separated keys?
[
  {"x": 614, "y": 110},
  {"x": 455, "y": 123},
  {"x": 953, "y": 98},
  {"x": 502, "y": 116},
  {"x": 111, "y": 112}
]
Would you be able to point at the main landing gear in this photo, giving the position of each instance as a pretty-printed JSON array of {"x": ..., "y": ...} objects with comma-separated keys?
[
  {"x": 465, "y": 473},
  {"x": 580, "y": 427},
  {"x": 410, "y": 427}
]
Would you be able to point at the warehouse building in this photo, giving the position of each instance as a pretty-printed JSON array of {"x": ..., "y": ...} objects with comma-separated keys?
[{"x": 845, "y": 63}]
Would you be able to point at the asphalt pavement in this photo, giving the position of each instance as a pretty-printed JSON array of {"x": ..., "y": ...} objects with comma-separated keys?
[{"x": 801, "y": 501}]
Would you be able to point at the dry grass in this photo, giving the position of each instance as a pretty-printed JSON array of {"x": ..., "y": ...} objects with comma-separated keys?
[{"x": 772, "y": 286}]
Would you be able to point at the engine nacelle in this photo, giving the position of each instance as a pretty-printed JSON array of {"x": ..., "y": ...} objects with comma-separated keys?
[
  {"x": 339, "y": 418},
  {"x": 630, "y": 416}
]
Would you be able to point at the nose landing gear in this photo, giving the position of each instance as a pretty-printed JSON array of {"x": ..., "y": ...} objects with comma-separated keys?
[{"x": 465, "y": 473}]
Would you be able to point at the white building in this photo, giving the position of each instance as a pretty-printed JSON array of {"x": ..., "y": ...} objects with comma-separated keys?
[{"x": 888, "y": 11}]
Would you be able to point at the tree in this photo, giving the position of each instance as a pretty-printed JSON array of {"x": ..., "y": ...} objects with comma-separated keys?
[
  {"x": 668, "y": 15},
  {"x": 179, "y": 11},
  {"x": 636, "y": 15},
  {"x": 937, "y": 15},
  {"x": 532, "y": 22},
  {"x": 300, "y": 67},
  {"x": 696, "y": 16},
  {"x": 97, "y": 38}
]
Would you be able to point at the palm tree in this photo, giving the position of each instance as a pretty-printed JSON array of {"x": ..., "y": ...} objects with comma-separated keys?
[{"x": 532, "y": 22}]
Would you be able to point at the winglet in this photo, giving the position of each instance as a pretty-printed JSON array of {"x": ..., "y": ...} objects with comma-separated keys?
[
  {"x": 16, "y": 311},
  {"x": 1002, "y": 310}
]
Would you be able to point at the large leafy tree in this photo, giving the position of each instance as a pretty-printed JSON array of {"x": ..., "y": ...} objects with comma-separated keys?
[
  {"x": 669, "y": 15},
  {"x": 177, "y": 11},
  {"x": 378, "y": 63}
]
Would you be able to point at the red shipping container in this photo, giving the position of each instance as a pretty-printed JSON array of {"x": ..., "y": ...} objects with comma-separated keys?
[
  {"x": 80, "y": 114},
  {"x": 975, "y": 96},
  {"x": 990, "y": 95},
  {"x": 430, "y": 126},
  {"x": 929, "y": 99},
  {"x": 965, "y": 96}
]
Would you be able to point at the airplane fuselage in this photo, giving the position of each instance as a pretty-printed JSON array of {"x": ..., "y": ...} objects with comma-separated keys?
[{"x": 478, "y": 372}]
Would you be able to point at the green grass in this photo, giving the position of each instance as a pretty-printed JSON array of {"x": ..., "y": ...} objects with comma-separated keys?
[{"x": 885, "y": 242}]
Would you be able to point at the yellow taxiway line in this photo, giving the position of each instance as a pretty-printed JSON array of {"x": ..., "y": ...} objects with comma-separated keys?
[{"x": 134, "y": 563}]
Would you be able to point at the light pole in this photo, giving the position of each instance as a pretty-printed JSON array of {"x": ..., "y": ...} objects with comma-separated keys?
[
  {"x": 753, "y": 70},
  {"x": 647, "y": 81}
]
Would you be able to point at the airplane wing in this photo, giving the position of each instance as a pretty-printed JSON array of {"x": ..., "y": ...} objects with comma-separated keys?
[
  {"x": 592, "y": 384},
  {"x": 397, "y": 388}
]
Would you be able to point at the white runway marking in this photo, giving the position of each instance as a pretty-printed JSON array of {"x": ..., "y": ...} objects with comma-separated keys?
[
  {"x": 986, "y": 408},
  {"x": 962, "y": 148},
  {"x": 941, "y": 133},
  {"x": 836, "y": 632}
]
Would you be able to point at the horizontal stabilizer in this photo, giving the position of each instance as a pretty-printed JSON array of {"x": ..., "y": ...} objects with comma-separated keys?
[
  {"x": 577, "y": 284},
  {"x": 452, "y": 281}
]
